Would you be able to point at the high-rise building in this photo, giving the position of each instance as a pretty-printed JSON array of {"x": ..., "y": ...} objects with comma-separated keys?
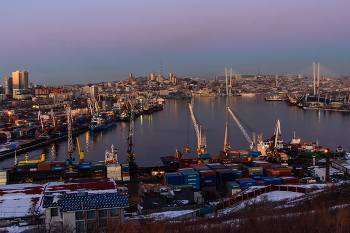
[
  {"x": 20, "y": 79},
  {"x": 94, "y": 92},
  {"x": 8, "y": 86}
]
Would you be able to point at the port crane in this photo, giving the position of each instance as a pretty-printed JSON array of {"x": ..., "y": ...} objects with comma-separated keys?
[
  {"x": 70, "y": 160},
  {"x": 80, "y": 150},
  {"x": 130, "y": 150},
  {"x": 201, "y": 138},
  {"x": 227, "y": 145},
  {"x": 252, "y": 143}
]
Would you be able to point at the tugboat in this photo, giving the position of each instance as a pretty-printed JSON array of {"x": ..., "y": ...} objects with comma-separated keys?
[{"x": 339, "y": 152}]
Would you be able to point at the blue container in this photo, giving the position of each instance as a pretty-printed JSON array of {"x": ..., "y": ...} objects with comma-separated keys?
[
  {"x": 254, "y": 153},
  {"x": 247, "y": 183},
  {"x": 244, "y": 156},
  {"x": 256, "y": 177},
  {"x": 85, "y": 163},
  {"x": 267, "y": 177},
  {"x": 98, "y": 168},
  {"x": 189, "y": 180},
  {"x": 84, "y": 167},
  {"x": 273, "y": 181},
  {"x": 58, "y": 168},
  {"x": 232, "y": 184},
  {"x": 207, "y": 156},
  {"x": 233, "y": 156},
  {"x": 223, "y": 176},
  {"x": 208, "y": 181},
  {"x": 190, "y": 174},
  {"x": 174, "y": 179},
  {"x": 197, "y": 186},
  {"x": 238, "y": 173},
  {"x": 97, "y": 164}
]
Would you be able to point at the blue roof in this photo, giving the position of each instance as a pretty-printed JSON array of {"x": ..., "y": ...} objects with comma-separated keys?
[{"x": 73, "y": 202}]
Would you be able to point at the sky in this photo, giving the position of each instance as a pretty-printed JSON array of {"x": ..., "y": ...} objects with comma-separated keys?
[{"x": 88, "y": 41}]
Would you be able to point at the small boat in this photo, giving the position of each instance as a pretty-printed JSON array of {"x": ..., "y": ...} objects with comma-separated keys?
[
  {"x": 274, "y": 98},
  {"x": 111, "y": 157}
]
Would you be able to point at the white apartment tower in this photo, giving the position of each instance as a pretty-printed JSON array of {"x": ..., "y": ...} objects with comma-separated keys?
[{"x": 20, "y": 79}]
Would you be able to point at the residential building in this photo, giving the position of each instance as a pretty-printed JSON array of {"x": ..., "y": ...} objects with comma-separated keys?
[{"x": 81, "y": 211}]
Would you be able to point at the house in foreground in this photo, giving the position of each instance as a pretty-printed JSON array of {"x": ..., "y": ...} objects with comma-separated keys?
[{"x": 80, "y": 211}]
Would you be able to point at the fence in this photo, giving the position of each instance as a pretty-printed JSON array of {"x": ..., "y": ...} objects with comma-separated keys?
[{"x": 247, "y": 194}]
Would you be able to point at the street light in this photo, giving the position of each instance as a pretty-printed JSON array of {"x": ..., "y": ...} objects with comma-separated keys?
[{"x": 9, "y": 113}]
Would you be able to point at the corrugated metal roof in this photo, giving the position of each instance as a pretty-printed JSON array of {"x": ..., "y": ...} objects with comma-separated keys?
[{"x": 72, "y": 202}]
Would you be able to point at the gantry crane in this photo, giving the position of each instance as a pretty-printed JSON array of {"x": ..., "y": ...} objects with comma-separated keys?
[{"x": 201, "y": 138}]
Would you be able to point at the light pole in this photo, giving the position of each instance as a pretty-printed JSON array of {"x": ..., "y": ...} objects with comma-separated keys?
[{"x": 9, "y": 113}]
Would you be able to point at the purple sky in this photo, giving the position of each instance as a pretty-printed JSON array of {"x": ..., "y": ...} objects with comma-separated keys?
[{"x": 82, "y": 41}]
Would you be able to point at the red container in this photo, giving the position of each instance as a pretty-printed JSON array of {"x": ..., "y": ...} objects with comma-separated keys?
[
  {"x": 289, "y": 180},
  {"x": 44, "y": 166},
  {"x": 240, "y": 179},
  {"x": 272, "y": 172},
  {"x": 245, "y": 174},
  {"x": 185, "y": 162},
  {"x": 58, "y": 164},
  {"x": 207, "y": 173},
  {"x": 208, "y": 185},
  {"x": 261, "y": 183},
  {"x": 98, "y": 174}
]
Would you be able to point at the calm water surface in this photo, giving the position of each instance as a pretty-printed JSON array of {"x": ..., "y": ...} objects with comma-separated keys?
[{"x": 159, "y": 134}]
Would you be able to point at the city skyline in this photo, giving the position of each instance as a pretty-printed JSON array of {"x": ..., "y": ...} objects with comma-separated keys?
[{"x": 62, "y": 43}]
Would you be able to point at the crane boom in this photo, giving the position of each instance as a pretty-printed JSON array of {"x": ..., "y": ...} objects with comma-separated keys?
[
  {"x": 80, "y": 150},
  {"x": 241, "y": 127},
  {"x": 201, "y": 139}
]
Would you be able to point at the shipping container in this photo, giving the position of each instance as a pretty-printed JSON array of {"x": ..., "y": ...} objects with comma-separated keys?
[
  {"x": 173, "y": 178},
  {"x": 58, "y": 168},
  {"x": 44, "y": 166}
]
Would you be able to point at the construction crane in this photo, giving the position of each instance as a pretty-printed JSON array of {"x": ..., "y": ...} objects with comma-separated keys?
[
  {"x": 227, "y": 145},
  {"x": 201, "y": 139},
  {"x": 70, "y": 159},
  {"x": 252, "y": 143},
  {"x": 130, "y": 139},
  {"x": 80, "y": 150}
]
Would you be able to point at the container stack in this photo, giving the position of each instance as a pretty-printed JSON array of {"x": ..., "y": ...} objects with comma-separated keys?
[
  {"x": 58, "y": 166},
  {"x": 46, "y": 166},
  {"x": 255, "y": 172},
  {"x": 208, "y": 180},
  {"x": 246, "y": 183},
  {"x": 233, "y": 187},
  {"x": 85, "y": 166},
  {"x": 114, "y": 171},
  {"x": 223, "y": 176},
  {"x": 98, "y": 170},
  {"x": 271, "y": 180},
  {"x": 125, "y": 171},
  {"x": 175, "y": 178},
  {"x": 3, "y": 177},
  {"x": 27, "y": 167},
  {"x": 192, "y": 178}
]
